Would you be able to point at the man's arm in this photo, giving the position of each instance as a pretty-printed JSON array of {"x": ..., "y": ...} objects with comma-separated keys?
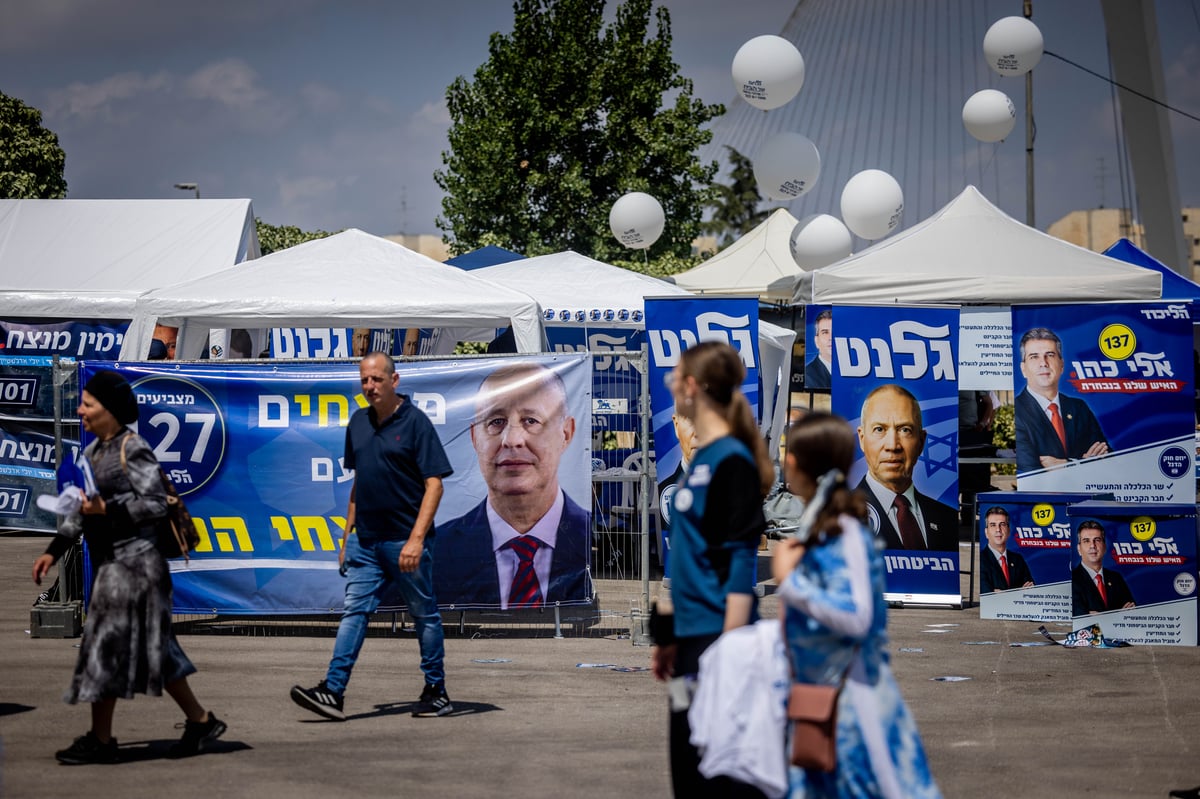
[
  {"x": 410, "y": 555},
  {"x": 350, "y": 512}
]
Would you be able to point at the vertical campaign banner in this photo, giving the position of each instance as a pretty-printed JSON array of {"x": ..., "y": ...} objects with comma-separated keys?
[
  {"x": 818, "y": 347},
  {"x": 672, "y": 325},
  {"x": 895, "y": 381},
  {"x": 1134, "y": 571},
  {"x": 1025, "y": 550},
  {"x": 257, "y": 451},
  {"x": 1104, "y": 400},
  {"x": 27, "y": 447}
]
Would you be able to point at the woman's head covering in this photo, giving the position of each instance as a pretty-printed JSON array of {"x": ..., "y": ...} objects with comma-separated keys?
[{"x": 115, "y": 394}]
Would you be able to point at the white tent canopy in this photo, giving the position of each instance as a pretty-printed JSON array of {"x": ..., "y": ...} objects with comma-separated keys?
[
  {"x": 90, "y": 259},
  {"x": 972, "y": 252},
  {"x": 350, "y": 279},
  {"x": 759, "y": 264},
  {"x": 573, "y": 282}
]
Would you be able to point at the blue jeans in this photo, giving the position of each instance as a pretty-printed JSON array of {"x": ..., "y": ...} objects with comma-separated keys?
[{"x": 370, "y": 567}]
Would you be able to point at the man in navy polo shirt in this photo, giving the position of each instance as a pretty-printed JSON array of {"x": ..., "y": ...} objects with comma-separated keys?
[{"x": 399, "y": 464}]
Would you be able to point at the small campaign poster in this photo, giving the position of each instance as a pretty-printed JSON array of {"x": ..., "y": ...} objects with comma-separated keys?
[
  {"x": 1025, "y": 547},
  {"x": 1133, "y": 571}
]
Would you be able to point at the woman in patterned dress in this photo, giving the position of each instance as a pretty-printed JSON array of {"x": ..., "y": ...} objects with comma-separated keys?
[
  {"x": 831, "y": 584},
  {"x": 128, "y": 646}
]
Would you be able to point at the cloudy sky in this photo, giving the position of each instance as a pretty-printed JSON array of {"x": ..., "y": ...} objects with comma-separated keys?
[{"x": 332, "y": 115}]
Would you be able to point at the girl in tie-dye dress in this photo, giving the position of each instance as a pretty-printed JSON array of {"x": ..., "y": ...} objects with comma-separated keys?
[{"x": 831, "y": 583}]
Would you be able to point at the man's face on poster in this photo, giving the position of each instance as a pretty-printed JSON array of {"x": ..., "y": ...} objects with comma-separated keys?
[
  {"x": 520, "y": 433},
  {"x": 891, "y": 437},
  {"x": 825, "y": 339},
  {"x": 997, "y": 529},
  {"x": 1091, "y": 547},
  {"x": 685, "y": 432},
  {"x": 1042, "y": 366}
]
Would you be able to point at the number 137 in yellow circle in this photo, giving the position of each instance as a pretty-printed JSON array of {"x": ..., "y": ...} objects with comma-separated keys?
[{"x": 1117, "y": 342}]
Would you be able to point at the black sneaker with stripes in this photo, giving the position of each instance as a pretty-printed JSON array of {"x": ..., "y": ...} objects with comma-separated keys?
[
  {"x": 433, "y": 702},
  {"x": 319, "y": 700}
]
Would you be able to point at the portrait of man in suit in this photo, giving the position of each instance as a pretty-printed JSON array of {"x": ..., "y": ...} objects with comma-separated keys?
[
  {"x": 891, "y": 434},
  {"x": 999, "y": 568},
  {"x": 527, "y": 543},
  {"x": 685, "y": 434},
  {"x": 1052, "y": 428},
  {"x": 817, "y": 372},
  {"x": 1095, "y": 589}
]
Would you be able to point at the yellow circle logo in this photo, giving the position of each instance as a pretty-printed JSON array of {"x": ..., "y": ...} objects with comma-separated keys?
[
  {"x": 1143, "y": 528},
  {"x": 1117, "y": 342},
  {"x": 1043, "y": 514}
]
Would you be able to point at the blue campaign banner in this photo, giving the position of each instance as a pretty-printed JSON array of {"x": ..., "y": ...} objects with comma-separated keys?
[
  {"x": 1105, "y": 400},
  {"x": 818, "y": 348},
  {"x": 93, "y": 340},
  {"x": 1033, "y": 532},
  {"x": 1146, "y": 558},
  {"x": 895, "y": 381},
  {"x": 257, "y": 452},
  {"x": 330, "y": 342},
  {"x": 616, "y": 385},
  {"x": 672, "y": 325},
  {"x": 27, "y": 458}
]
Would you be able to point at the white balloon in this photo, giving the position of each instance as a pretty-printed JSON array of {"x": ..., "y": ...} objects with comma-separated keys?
[
  {"x": 786, "y": 166},
  {"x": 989, "y": 115},
  {"x": 637, "y": 220},
  {"x": 1013, "y": 46},
  {"x": 768, "y": 71},
  {"x": 819, "y": 240},
  {"x": 872, "y": 204}
]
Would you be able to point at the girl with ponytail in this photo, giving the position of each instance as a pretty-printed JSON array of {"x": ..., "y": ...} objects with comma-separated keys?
[{"x": 716, "y": 523}]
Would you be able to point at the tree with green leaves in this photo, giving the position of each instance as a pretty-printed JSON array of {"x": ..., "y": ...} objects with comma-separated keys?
[
  {"x": 735, "y": 209},
  {"x": 31, "y": 161},
  {"x": 564, "y": 117},
  {"x": 272, "y": 238}
]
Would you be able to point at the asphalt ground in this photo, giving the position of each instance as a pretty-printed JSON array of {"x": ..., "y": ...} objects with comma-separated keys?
[{"x": 531, "y": 721}]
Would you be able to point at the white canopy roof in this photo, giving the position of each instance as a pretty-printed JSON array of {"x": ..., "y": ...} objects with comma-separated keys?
[
  {"x": 573, "y": 282},
  {"x": 350, "y": 279},
  {"x": 972, "y": 252},
  {"x": 759, "y": 263},
  {"x": 90, "y": 259}
]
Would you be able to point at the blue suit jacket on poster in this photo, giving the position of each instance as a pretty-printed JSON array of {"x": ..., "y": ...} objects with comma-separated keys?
[
  {"x": 1036, "y": 436},
  {"x": 991, "y": 576},
  {"x": 816, "y": 375},
  {"x": 941, "y": 522},
  {"x": 464, "y": 565}
]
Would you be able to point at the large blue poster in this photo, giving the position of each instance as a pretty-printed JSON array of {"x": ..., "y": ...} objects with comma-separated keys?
[
  {"x": 895, "y": 381},
  {"x": 257, "y": 453},
  {"x": 1104, "y": 400},
  {"x": 1133, "y": 571},
  {"x": 672, "y": 325}
]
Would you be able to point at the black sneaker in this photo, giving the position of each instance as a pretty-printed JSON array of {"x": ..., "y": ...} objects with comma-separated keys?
[
  {"x": 88, "y": 749},
  {"x": 319, "y": 700},
  {"x": 433, "y": 702},
  {"x": 197, "y": 735}
]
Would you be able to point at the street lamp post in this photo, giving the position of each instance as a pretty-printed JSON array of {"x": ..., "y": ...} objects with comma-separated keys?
[{"x": 189, "y": 187}]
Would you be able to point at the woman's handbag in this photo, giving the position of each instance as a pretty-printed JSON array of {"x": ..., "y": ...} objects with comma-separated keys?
[
  {"x": 177, "y": 533},
  {"x": 812, "y": 709}
]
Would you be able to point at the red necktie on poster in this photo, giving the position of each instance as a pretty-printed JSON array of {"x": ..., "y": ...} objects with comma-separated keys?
[
  {"x": 1100, "y": 588},
  {"x": 1004, "y": 568},
  {"x": 526, "y": 591},
  {"x": 910, "y": 532},
  {"x": 1056, "y": 420}
]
